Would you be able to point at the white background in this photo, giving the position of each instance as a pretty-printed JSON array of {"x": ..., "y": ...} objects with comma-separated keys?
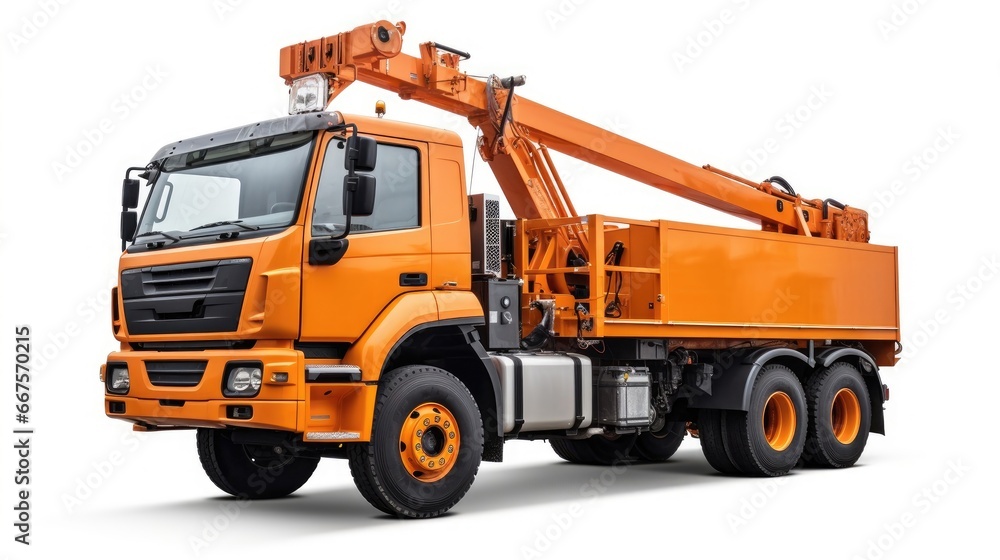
[{"x": 902, "y": 80}]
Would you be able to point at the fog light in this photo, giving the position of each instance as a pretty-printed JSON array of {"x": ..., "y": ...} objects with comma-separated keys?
[
  {"x": 239, "y": 412},
  {"x": 118, "y": 379}
]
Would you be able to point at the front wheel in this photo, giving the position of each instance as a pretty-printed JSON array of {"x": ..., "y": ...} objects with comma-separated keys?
[
  {"x": 255, "y": 472},
  {"x": 426, "y": 444}
]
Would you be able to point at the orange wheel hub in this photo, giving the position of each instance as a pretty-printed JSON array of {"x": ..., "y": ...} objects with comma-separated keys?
[
  {"x": 779, "y": 421},
  {"x": 429, "y": 442},
  {"x": 845, "y": 416}
]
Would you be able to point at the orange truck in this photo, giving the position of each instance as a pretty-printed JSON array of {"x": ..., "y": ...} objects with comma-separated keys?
[{"x": 322, "y": 285}]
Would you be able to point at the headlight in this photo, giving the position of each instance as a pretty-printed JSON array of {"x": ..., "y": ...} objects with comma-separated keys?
[
  {"x": 308, "y": 94},
  {"x": 117, "y": 379},
  {"x": 242, "y": 380}
]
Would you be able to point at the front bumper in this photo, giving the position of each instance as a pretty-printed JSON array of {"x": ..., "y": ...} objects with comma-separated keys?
[
  {"x": 273, "y": 415},
  {"x": 332, "y": 411}
]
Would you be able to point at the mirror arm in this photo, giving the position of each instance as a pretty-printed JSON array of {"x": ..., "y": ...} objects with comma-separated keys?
[
  {"x": 125, "y": 208},
  {"x": 349, "y": 195},
  {"x": 348, "y": 202}
]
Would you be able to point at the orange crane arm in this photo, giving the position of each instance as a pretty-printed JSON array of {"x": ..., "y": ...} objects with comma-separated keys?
[{"x": 515, "y": 139}]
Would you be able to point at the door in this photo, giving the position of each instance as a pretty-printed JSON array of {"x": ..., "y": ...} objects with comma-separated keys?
[{"x": 388, "y": 252}]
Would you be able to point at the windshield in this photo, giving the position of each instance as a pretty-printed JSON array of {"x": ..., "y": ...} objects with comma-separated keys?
[{"x": 247, "y": 185}]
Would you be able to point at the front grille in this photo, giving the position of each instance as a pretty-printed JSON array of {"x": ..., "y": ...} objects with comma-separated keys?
[
  {"x": 172, "y": 280},
  {"x": 189, "y": 345},
  {"x": 175, "y": 373},
  {"x": 196, "y": 297}
]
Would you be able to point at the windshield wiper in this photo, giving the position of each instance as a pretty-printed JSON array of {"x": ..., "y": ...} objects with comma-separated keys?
[
  {"x": 173, "y": 238},
  {"x": 238, "y": 223}
]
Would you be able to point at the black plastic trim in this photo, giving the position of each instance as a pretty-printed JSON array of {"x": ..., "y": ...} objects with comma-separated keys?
[
  {"x": 827, "y": 356},
  {"x": 193, "y": 345},
  {"x": 518, "y": 396},
  {"x": 467, "y": 321},
  {"x": 327, "y": 350},
  {"x": 263, "y": 129},
  {"x": 107, "y": 378},
  {"x": 198, "y": 296},
  {"x": 327, "y": 252},
  {"x": 731, "y": 389},
  {"x": 413, "y": 279},
  {"x": 873, "y": 381},
  {"x": 472, "y": 338},
  {"x": 175, "y": 373},
  {"x": 239, "y": 412},
  {"x": 577, "y": 391}
]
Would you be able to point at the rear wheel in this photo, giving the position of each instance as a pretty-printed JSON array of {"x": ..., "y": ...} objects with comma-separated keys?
[
  {"x": 595, "y": 450},
  {"x": 255, "y": 472},
  {"x": 660, "y": 446},
  {"x": 426, "y": 444},
  {"x": 567, "y": 450},
  {"x": 768, "y": 439},
  {"x": 839, "y": 417},
  {"x": 711, "y": 433}
]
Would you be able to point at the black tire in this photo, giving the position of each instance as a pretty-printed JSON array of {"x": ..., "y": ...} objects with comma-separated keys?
[
  {"x": 711, "y": 433},
  {"x": 567, "y": 450},
  {"x": 768, "y": 439},
  {"x": 387, "y": 479},
  {"x": 658, "y": 447},
  {"x": 596, "y": 450},
  {"x": 839, "y": 417},
  {"x": 255, "y": 472}
]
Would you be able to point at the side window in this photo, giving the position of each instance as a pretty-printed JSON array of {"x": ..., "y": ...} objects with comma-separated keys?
[{"x": 397, "y": 192}]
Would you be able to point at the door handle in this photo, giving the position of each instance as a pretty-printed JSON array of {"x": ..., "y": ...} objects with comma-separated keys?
[{"x": 413, "y": 279}]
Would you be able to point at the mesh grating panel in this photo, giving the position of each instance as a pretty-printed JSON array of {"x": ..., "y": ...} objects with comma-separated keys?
[
  {"x": 492, "y": 236},
  {"x": 487, "y": 254}
]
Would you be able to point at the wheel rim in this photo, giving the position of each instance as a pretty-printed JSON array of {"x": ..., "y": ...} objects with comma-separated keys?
[
  {"x": 779, "y": 421},
  {"x": 845, "y": 416},
  {"x": 429, "y": 442}
]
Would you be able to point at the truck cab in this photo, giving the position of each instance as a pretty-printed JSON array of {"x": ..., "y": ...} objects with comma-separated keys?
[{"x": 231, "y": 274}]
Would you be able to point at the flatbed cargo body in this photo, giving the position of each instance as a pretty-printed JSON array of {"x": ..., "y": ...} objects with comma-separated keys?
[{"x": 689, "y": 282}]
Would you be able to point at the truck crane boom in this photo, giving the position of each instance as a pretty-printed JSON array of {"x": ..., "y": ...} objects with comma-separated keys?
[{"x": 517, "y": 133}]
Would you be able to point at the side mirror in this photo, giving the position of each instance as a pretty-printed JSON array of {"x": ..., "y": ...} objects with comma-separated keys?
[
  {"x": 359, "y": 194},
  {"x": 362, "y": 151},
  {"x": 129, "y": 223},
  {"x": 130, "y": 193}
]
